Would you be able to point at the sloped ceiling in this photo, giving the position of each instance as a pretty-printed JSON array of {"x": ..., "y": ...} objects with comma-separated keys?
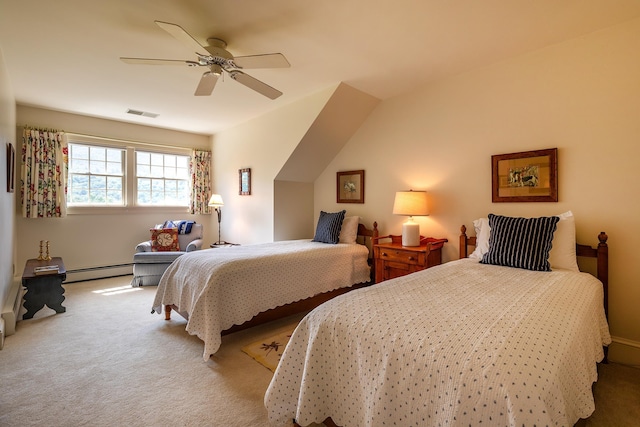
[{"x": 344, "y": 112}]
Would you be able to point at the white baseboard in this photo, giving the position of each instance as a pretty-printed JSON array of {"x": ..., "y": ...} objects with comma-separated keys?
[
  {"x": 624, "y": 351},
  {"x": 11, "y": 308}
]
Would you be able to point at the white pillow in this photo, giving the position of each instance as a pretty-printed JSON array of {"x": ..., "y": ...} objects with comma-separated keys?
[
  {"x": 349, "y": 230},
  {"x": 563, "y": 249},
  {"x": 483, "y": 230}
]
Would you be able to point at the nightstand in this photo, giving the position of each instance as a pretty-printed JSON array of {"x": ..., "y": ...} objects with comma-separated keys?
[{"x": 394, "y": 260}]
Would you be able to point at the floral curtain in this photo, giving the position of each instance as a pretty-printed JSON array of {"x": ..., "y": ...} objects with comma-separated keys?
[
  {"x": 44, "y": 173},
  {"x": 200, "y": 169}
]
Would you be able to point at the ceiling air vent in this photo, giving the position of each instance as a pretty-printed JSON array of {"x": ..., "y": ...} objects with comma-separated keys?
[{"x": 142, "y": 113}]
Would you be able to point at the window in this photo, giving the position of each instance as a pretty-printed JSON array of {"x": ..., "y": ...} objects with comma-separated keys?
[
  {"x": 162, "y": 179},
  {"x": 96, "y": 176},
  {"x": 126, "y": 176}
]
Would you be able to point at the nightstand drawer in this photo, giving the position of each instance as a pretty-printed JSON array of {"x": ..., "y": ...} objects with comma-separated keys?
[
  {"x": 399, "y": 256},
  {"x": 394, "y": 260}
]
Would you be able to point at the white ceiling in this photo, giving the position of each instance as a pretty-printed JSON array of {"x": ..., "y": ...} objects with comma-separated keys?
[{"x": 64, "y": 54}]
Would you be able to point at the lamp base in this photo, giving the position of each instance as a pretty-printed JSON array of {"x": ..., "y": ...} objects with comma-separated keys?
[{"x": 410, "y": 233}]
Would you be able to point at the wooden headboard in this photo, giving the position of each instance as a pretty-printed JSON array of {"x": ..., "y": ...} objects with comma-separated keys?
[
  {"x": 600, "y": 252},
  {"x": 364, "y": 232},
  {"x": 368, "y": 237}
]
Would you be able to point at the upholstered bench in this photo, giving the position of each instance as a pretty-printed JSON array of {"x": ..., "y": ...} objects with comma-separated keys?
[{"x": 148, "y": 266}]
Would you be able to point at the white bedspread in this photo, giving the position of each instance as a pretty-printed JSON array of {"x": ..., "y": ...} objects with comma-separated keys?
[
  {"x": 455, "y": 345},
  {"x": 222, "y": 287}
]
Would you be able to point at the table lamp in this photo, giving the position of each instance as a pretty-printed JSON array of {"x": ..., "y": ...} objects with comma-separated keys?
[
  {"x": 216, "y": 203},
  {"x": 411, "y": 203}
]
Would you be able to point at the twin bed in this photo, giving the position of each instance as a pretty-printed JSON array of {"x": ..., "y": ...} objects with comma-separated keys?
[
  {"x": 464, "y": 343},
  {"x": 226, "y": 289},
  {"x": 500, "y": 337}
]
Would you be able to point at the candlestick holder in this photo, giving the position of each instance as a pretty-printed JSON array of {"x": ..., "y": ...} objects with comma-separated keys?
[{"x": 41, "y": 255}]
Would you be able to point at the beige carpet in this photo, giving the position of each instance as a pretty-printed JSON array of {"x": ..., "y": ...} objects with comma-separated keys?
[{"x": 108, "y": 361}]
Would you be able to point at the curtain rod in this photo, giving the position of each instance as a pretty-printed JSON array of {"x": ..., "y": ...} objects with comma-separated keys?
[
  {"x": 150, "y": 144},
  {"x": 126, "y": 141}
]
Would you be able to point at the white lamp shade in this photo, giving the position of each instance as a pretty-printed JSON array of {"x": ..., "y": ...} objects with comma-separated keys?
[
  {"x": 216, "y": 201},
  {"x": 411, "y": 203}
]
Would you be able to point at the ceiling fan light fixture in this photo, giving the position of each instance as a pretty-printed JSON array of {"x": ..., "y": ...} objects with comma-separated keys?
[
  {"x": 218, "y": 60},
  {"x": 216, "y": 69}
]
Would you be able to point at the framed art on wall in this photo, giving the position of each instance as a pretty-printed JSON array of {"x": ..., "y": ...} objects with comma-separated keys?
[
  {"x": 245, "y": 181},
  {"x": 11, "y": 165},
  {"x": 529, "y": 176},
  {"x": 350, "y": 187}
]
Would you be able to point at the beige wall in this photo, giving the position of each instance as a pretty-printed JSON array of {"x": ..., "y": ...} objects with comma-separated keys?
[
  {"x": 87, "y": 241},
  {"x": 581, "y": 96},
  {"x": 7, "y": 230}
]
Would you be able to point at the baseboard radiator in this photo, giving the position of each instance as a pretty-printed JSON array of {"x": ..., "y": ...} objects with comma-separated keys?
[
  {"x": 10, "y": 311},
  {"x": 98, "y": 272}
]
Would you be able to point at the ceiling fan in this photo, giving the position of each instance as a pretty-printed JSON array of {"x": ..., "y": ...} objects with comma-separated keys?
[{"x": 218, "y": 60}]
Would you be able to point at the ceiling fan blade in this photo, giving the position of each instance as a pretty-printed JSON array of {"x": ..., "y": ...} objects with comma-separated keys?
[
  {"x": 179, "y": 33},
  {"x": 269, "y": 60},
  {"x": 207, "y": 83},
  {"x": 255, "y": 84},
  {"x": 149, "y": 61}
]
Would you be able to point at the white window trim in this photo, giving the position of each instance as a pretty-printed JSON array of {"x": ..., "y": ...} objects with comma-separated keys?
[{"x": 130, "y": 176}]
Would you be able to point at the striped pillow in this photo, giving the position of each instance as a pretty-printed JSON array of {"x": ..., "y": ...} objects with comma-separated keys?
[
  {"x": 520, "y": 242},
  {"x": 328, "y": 228}
]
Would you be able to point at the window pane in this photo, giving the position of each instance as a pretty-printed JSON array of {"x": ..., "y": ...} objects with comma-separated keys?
[
  {"x": 79, "y": 166},
  {"x": 157, "y": 171},
  {"x": 143, "y": 158},
  {"x": 79, "y": 151},
  {"x": 97, "y": 167},
  {"x": 98, "y": 153},
  {"x": 157, "y": 159},
  {"x": 114, "y": 183},
  {"x": 114, "y": 155}
]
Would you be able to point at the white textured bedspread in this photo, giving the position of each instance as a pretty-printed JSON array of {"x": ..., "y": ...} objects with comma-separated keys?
[
  {"x": 456, "y": 345},
  {"x": 221, "y": 287}
]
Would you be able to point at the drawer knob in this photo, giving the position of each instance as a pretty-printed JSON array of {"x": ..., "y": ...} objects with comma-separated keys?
[{"x": 411, "y": 258}]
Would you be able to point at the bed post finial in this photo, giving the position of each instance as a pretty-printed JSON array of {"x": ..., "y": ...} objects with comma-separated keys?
[
  {"x": 603, "y": 267},
  {"x": 602, "y": 237},
  {"x": 463, "y": 242}
]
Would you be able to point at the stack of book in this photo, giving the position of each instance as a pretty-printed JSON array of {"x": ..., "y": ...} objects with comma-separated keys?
[{"x": 47, "y": 269}]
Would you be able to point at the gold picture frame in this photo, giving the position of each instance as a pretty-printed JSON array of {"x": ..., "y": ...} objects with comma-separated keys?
[
  {"x": 529, "y": 176},
  {"x": 244, "y": 179},
  {"x": 350, "y": 187}
]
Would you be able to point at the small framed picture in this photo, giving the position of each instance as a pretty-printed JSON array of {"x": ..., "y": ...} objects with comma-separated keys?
[
  {"x": 245, "y": 181},
  {"x": 530, "y": 176},
  {"x": 350, "y": 187},
  {"x": 11, "y": 166}
]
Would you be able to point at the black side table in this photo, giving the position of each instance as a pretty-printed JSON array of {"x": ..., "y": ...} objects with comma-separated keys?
[{"x": 44, "y": 289}]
